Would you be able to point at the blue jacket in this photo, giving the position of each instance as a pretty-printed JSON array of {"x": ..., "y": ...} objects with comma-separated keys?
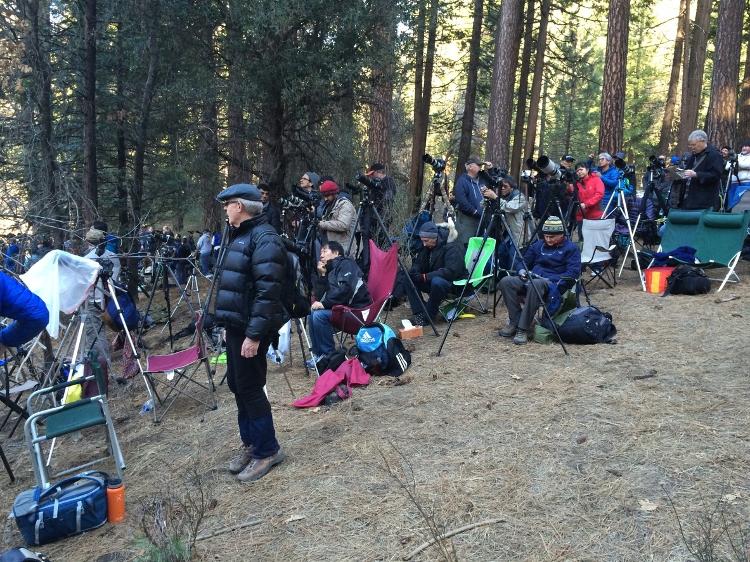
[
  {"x": 610, "y": 179},
  {"x": 554, "y": 263},
  {"x": 23, "y": 306},
  {"x": 469, "y": 195}
]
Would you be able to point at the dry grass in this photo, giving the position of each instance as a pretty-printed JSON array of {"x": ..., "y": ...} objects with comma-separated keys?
[{"x": 579, "y": 458}]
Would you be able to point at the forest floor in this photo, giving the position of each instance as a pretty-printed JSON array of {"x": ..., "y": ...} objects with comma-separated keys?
[{"x": 611, "y": 453}]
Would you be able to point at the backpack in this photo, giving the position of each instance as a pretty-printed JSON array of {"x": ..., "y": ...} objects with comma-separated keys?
[
  {"x": 129, "y": 310},
  {"x": 380, "y": 351},
  {"x": 587, "y": 325},
  {"x": 687, "y": 280},
  {"x": 293, "y": 296}
]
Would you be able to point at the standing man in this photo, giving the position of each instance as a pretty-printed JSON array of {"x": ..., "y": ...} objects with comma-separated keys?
[
  {"x": 339, "y": 215},
  {"x": 205, "y": 248},
  {"x": 385, "y": 195},
  {"x": 248, "y": 304},
  {"x": 468, "y": 194},
  {"x": 704, "y": 169},
  {"x": 270, "y": 209}
]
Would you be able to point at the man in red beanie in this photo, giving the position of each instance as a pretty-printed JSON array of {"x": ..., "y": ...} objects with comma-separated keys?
[{"x": 339, "y": 217}]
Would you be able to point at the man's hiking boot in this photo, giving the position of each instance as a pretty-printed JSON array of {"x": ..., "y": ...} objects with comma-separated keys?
[
  {"x": 238, "y": 463},
  {"x": 508, "y": 331},
  {"x": 419, "y": 320},
  {"x": 258, "y": 468},
  {"x": 521, "y": 338}
]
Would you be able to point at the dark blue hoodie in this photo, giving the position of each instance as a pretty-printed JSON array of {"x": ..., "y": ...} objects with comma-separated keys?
[{"x": 23, "y": 306}]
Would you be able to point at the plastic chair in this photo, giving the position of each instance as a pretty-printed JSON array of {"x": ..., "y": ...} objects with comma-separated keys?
[
  {"x": 680, "y": 230},
  {"x": 718, "y": 242},
  {"x": 598, "y": 251},
  {"x": 176, "y": 371},
  {"x": 476, "y": 264},
  {"x": 380, "y": 283},
  {"x": 68, "y": 418}
]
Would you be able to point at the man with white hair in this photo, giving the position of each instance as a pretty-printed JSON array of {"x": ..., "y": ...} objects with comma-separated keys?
[
  {"x": 703, "y": 171},
  {"x": 249, "y": 306}
]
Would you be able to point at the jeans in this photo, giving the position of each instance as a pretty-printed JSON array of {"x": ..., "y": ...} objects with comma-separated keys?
[
  {"x": 205, "y": 260},
  {"x": 438, "y": 288},
  {"x": 321, "y": 332}
]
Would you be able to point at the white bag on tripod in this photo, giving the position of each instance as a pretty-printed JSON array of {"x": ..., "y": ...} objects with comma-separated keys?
[{"x": 278, "y": 355}]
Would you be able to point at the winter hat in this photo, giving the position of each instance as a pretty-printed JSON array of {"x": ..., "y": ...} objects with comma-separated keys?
[
  {"x": 314, "y": 178},
  {"x": 95, "y": 236},
  {"x": 428, "y": 230},
  {"x": 553, "y": 225},
  {"x": 328, "y": 187}
]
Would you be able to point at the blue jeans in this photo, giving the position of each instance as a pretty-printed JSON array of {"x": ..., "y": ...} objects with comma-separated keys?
[
  {"x": 205, "y": 263},
  {"x": 437, "y": 287},
  {"x": 321, "y": 332}
]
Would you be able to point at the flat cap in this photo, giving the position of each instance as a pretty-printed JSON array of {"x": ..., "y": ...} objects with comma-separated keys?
[{"x": 247, "y": 191}]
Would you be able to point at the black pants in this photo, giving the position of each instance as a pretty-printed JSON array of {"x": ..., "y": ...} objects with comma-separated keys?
[{"x": 246, "y": 379}]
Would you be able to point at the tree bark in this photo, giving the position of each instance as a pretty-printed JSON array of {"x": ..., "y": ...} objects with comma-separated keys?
[
  {"x": 665, "y": 134},
  {"x": 416, "y": 173},
  {"x": 470, "y": 97},
  {"x": 208, "y": 146},
  {"x": 151, "y": 16},
  {"x": 429, "y": 65},
  {"x": 122, "y": 188},
  {"x": 90, "y": 189},
  {"x": 523, "y": 91},
  {"x": 693, "y": 77},
  {"x": 743, "y": 125},
  {"x": 507, "y": 39},
  {"x": 722, "y": 107},
  {"x": 536, "y": 83},
  {"x": 238, "y": 169},
  {"x": 615, "y": 73},
  {"x": 379, "y": 125}
]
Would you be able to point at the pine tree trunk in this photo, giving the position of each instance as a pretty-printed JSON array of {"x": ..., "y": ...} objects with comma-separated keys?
[
  {"x": 536, "y": 83},
  {"x": 208, "y": 147},
  {"x": 665, "y": 134},
  {"x": 470, "y": 97},
  {"x": 90, "y": 189},
  {"x": 237, "y": 170},
  {"x": 429, "y": 65},
  {"x": 507, "y": 39},
  {"x": 743, "y": 125},
  {"x": 693, "y": 78},
  {"x": 615, "y": 74},
  {"x": 523, "y": 91},
  {"x": 122, "y": 188},
  {"x": 415, "y": 171},
  {"x": 379, "y": 126},
  {"x": 722, "y": 112}
]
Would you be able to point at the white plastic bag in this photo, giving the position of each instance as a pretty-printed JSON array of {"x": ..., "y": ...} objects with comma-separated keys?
[
  {"x": 278, "y": 355},
  {"x": 63, "y": 282}
]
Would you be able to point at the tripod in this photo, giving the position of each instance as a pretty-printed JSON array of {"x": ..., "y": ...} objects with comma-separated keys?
[
  {"x": 499, "y": 215},
  {"x": 552, "y": 203},
  {"x": 438, "y": 188},
  {"x": 366, "y": 206},
  {"x": 190, "y": 288},
  {"x": 621, "y": 205},
  {"x": 724, "y": 191}
]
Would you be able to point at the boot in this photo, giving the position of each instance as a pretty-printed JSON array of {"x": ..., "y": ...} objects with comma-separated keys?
[
  {"x": 508, "y": 331},
  {"x": 521, "y": 338},
  {"x": 258, "y": 468},
  {"x": 239, "y": 462}
]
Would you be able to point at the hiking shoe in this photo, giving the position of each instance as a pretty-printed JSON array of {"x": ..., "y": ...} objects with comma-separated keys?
[
  {"x": 310, "y": 363},
  {"x": 419, "y": 320},
  {"x": 508, "y": 331},
  {"x": 521, "y": 338},
  {"x": 240, "y": 462},
  {"x": 258, "y": 468}
]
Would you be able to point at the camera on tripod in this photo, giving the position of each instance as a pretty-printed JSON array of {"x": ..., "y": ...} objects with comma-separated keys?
[
  {"x": 655, "y": 163},
  {"x": 624, "y": 167},
  {"x": 107, "y": 265},
  {"x": 493, "y": 177},
  {"x": 553, "y": 169},
  {"x": 438, "y": 164},
  {"x": 292, "y": 203}
]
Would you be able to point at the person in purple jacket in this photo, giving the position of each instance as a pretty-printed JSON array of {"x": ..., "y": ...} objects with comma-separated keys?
[
  {"x": 554, "y": 266},
  {"x": 28, "y": 312}
]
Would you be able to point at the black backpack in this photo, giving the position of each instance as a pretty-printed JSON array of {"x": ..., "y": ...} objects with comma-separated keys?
[
  {"x": 587, "y": 325},
  {"x": 687, "y": 280},
  {"x": 295, "y": 300}
]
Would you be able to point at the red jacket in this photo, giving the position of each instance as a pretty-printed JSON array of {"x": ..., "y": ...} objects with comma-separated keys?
[{"x": 590, "y": 193}]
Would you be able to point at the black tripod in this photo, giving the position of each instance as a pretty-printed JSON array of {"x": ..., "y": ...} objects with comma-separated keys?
[
  {"x": 367, "y": 209},
  {"x": 554, "y": 203},
  {"x": 438, "y": 188},
  {"x": 499, "y": 215}
]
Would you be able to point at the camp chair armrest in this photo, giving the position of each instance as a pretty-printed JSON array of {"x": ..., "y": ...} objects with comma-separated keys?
[
  {"x": 55, "y": 388},
  {"x": 57, "y": 409}
]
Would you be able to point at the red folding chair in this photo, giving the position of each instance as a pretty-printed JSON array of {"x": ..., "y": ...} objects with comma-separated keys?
[
  {"x": 380, "y": 283},
  {"x": 176, "y": 371}
]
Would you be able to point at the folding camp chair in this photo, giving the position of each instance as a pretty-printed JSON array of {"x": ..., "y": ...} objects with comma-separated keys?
[
  {"x": 380, "y": 283},
  {"x": 64, "y": 419},
  {"x": 597, "y": 252},
  {"x": 476, "y": 264},
  {"x": 176, "y": 371},
  {"x": 718, "y": 242}
]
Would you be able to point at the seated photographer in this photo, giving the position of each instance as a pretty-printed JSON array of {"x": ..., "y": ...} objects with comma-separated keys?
[
  {"x": 339, "y": 215},
  {"x": 468, "y": 199},
  {"x": 340, "y": 282},
  {"x": 555, "y": 264},
  {"x": 590, "y": 194},
  {"x": 513, "y": 203},
  {"x": 438, "y": 264}
]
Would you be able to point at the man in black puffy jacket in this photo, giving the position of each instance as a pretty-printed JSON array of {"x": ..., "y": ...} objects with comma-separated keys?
[
  {"x": 438, "y": 264},
  {"x": 341, "y": 282},
  {"x": 249, "y": 305}
]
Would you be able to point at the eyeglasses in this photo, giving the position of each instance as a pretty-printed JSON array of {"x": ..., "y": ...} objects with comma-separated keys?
[
  {"x": 227, "y": 203},
  {"x": 305, "y": 178}
]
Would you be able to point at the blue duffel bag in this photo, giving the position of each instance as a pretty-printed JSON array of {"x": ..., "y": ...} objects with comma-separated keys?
[{"x": 70, "y": 507}]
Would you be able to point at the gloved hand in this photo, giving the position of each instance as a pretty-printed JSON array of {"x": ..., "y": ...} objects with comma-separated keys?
[{"x": 523, "y": 274}]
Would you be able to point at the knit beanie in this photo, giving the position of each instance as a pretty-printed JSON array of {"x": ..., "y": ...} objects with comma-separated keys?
[
  {"x": 428, "y": 230},
  {"x": 328, "y": 187},
  {"x": 553, "y": 225},
  {"x": 314, "y": 178}
]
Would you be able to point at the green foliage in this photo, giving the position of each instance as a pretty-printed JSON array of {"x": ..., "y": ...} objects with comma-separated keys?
[{"x": 174, "y": 551}]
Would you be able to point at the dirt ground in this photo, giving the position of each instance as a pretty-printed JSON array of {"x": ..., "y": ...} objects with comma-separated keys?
[{"x": 576, "y": 457}]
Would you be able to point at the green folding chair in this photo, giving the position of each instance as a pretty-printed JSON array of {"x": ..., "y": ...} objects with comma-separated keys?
[
  {"x": 718, "y": 242},
  {"x": 681, "y": 229},
  {"x": 451, "y": 309},
  {"x": 68, "y": 418}
]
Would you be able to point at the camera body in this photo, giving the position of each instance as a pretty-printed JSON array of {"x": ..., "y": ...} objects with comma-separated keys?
[
  {"x": 107, "y": 267},
  {"x": 625, "y": 168},
  {"x": 437, "y": 164}
]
